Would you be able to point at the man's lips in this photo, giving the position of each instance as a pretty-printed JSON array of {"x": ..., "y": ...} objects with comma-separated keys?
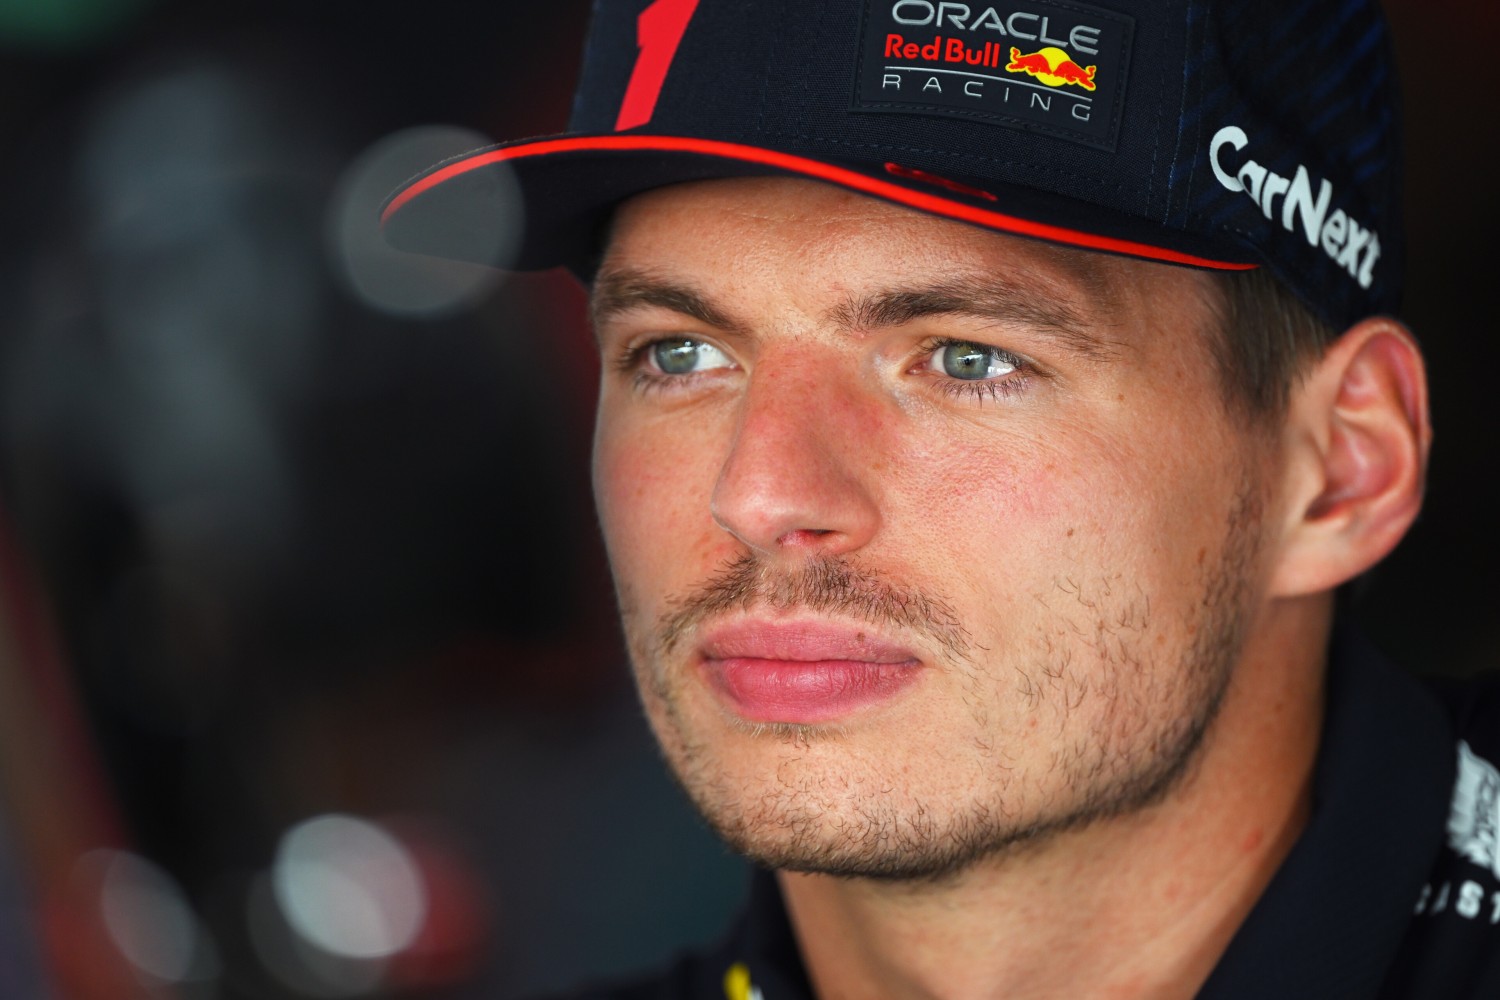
[{"x": 802, "y": 672}]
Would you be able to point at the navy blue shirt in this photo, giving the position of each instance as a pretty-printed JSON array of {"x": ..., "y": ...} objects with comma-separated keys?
[{"x": 1392, "y": 892}]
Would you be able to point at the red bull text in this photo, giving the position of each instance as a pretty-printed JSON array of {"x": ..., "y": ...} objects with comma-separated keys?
[{"x": 952, "y": 50}]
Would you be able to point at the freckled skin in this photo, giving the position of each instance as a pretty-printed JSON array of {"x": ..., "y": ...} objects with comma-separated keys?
[
  {"x": 1116, "y": 594},
  {"x": 1095, "y": 531}
]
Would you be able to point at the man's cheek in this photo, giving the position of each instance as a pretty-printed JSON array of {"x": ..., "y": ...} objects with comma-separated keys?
[
  {"x": 1021, "y": 481},
  {"x": 654, "y": 511}
]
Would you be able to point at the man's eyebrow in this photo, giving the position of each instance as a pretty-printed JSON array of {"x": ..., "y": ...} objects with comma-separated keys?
[
  {"x": 990, "y": 298},
  {"x": 620, "y": 291}
]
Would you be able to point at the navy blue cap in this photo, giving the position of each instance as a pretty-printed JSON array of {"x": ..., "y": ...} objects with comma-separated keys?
[{"x": 1224, "y": 135}]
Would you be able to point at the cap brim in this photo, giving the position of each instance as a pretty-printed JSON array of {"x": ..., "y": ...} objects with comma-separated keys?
[{"x": 570, "y": 184}]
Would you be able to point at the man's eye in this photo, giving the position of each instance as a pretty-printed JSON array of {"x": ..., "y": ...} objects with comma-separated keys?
[
  {"x": 685, "y": 356},
  {"x": 972, "y": 362}
]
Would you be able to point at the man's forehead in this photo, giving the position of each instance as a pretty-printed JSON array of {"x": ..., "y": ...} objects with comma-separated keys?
[
  {"x": 684, "y": 236},
  {"x": 814, "y": 215}
]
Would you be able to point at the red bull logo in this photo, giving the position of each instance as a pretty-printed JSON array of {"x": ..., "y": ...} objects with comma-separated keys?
[
  {"x": 1052, "y": 66},
  {"x": 1068, "y": 63}
]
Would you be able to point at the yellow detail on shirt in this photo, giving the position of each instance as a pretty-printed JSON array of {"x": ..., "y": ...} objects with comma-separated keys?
[{"x": 737, "y": 982}]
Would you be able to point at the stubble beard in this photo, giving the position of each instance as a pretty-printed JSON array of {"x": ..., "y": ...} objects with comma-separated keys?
[{"x": 1154, "y": 719}]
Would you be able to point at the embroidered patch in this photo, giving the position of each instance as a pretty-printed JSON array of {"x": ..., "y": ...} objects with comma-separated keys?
[
  {"x": 1474, "y": 819},
  {"x": 1052, "y": 67}
]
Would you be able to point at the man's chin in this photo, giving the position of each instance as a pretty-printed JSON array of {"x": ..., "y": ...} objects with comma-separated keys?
[
  {"x": 797, "y": 798},
  {"x": 876, "y": 852},
  {"x": 810, "y": 810}
]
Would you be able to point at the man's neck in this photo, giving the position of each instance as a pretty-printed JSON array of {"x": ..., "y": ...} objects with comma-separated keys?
[{"x": 1139, "y": 906}]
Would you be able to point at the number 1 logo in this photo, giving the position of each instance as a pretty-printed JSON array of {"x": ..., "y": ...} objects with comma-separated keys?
[{"x": 658, "y": 31}]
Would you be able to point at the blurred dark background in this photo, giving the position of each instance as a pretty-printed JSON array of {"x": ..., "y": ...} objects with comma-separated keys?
[{"x": 309, "y": 679}]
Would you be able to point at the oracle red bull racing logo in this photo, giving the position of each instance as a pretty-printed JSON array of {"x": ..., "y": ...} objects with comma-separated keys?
[
  {"x": 1056, "y": 66},
  {"x": 1052, "y": 66}
]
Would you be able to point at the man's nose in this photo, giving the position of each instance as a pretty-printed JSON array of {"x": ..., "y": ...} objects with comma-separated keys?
[{"x": 796, "y": 482}]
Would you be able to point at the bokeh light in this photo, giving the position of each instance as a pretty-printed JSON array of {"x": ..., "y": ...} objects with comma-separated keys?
[
  {"x": 296, "y": 965},
  {"x": 404, "y": 284},
  {"x": 148, "y": 918},
  {"x": 349, "y": 887}
]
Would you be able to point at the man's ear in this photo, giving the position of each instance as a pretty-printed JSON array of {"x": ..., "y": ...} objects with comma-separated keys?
[{"x": 1357, "y": 437}]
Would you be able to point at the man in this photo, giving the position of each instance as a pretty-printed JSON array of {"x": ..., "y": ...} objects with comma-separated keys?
[{"x": 994, "y": 401}]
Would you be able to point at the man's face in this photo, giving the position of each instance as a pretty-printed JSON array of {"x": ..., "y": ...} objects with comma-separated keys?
[{"x": 927, "y": 540}]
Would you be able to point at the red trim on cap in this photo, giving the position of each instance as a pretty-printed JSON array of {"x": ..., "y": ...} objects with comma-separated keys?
[{"x": 810, "y": 168}]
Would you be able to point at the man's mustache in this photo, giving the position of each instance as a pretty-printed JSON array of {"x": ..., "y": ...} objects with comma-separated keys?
[{"x": 825, "y": 586}]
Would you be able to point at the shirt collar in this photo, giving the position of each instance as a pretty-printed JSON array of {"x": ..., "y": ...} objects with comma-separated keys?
[{"x": 1330, "y": 922}]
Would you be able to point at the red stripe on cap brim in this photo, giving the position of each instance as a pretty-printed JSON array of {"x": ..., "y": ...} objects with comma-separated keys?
[{"x": 810, "y": 168}]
